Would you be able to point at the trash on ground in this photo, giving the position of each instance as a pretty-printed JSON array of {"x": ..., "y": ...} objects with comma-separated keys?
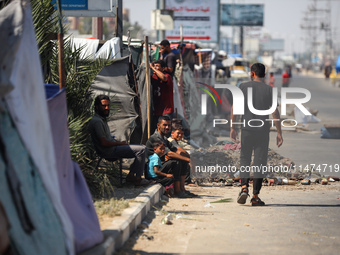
[
  {"x": 182, "y": 216},
  {"x": 167, "y": 219},
  {"x": 207, "y": 204},
  {"x": 225, "y": 200}
]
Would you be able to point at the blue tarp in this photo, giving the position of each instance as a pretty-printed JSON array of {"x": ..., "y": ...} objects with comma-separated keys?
[{"x": 337, "y": 65}]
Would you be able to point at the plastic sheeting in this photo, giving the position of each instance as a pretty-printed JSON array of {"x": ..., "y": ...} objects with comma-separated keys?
[
  {"x": 27, "y": 104},
  {"x": 337, "y": 65},
  {"x": 110, "y": 49},
  {"x": 88, "y": 47},
  {"x": 74, "y": 191},
  {"x": 112, "y": 81},
  {"x": 35, "y": 227}
]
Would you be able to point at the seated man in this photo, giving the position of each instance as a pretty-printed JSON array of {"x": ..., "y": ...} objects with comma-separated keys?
[
  {"x": 176, "y": 164},
  {"x": 109, "y": 148},
  {"x": 176, "y": 139}
]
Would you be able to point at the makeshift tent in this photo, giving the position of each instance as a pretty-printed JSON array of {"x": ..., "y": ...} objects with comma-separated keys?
[
  {"x": 43, "y": 192},
  {"x": 75, "y": 194},
  {"x": 112, "y": 80},
  {"x": 28, "y": 142}
]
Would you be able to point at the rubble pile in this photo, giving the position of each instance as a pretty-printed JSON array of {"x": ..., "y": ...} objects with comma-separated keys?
[{"x": 221, "y": 163}]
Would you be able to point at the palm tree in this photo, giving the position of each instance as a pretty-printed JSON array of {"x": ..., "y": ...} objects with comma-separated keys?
[{"x": 79, "y": 75}]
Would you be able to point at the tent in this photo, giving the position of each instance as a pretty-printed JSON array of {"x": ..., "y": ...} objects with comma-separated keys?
[{"x": 42, "y": 191}]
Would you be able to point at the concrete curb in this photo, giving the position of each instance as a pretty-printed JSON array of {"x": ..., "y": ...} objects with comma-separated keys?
[{"x": 123, "y": 226}]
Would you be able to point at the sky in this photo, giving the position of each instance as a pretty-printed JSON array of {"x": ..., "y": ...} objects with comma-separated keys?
[{"x": 282, "y": 18}]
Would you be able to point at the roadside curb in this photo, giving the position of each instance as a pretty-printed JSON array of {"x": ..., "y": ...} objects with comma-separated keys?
[{"x": 123, "y": 226}]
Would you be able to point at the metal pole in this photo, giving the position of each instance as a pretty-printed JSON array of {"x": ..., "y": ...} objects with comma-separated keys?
[
  {"x": 119, "y": 24},
  {"x": 162, "y": 32},
  {"x": 148, "y": 85},
  {"x": 241, "y": 40}
]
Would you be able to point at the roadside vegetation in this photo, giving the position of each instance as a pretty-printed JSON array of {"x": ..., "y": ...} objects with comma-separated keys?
[{"x": 79, "y": 75}]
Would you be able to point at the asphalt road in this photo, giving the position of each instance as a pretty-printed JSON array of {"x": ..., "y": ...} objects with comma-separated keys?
[
  {"x": 296, "y": 219},
  {"x": 308, "y": 148}
]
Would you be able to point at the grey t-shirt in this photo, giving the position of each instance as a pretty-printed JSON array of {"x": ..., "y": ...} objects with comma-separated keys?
[
  {"x": 98, "y": 128},
  {"x": 170, "y": 61},
  {"x": 262, "y": 100}
]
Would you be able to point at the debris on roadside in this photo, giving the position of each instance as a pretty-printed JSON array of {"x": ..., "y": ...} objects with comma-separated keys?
[
  {"x": 167, "y": 219},
  {"x": 225, "y": 200},
  {"x": 219, "y": 166}
]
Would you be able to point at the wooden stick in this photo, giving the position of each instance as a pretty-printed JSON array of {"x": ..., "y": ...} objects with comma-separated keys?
[
  {"x": 62, "y": 78},
  {"x": 199, "y": 56},
  {"x": 148, "y": 85}
]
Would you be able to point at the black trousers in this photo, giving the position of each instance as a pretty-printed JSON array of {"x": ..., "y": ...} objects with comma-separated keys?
[
  {"x": 164, "y": 181},
  {"x": 257, "y": 142},
  {"x": 175, "y": 167}
]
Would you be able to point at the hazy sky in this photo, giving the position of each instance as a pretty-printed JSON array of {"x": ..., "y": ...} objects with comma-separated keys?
[{"x": 282, "y": 18}]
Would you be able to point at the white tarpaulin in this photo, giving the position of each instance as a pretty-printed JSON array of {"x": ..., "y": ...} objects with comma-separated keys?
[
  {"x": 88, "y": 47},
  {"x": 110, "y": 49}
]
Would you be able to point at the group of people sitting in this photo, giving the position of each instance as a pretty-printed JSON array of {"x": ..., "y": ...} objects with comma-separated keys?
[{"x": 165, "y": 161}]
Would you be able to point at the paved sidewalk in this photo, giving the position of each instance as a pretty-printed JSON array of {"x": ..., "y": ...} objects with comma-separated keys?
[{"x": 123, "y": 226}]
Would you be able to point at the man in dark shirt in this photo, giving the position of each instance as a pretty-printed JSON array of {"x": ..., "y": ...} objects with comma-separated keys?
[
  {"x": 168, "y": 56},
  {"x": 162, "y": 88},
  {"x": 109, "y": 148},
  {"x": 172, "y": 162},
  {"x": 255, "y": 133}
]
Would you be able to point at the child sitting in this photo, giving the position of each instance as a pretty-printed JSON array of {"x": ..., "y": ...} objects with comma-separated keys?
[
  {"x": 154, "y": 167},
  {"x": 183, "y": 148}
]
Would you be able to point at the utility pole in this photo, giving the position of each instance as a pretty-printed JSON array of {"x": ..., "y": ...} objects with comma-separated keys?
[
  {"x": 160, "y": 33},
  {"x": 317, "y": 20}
]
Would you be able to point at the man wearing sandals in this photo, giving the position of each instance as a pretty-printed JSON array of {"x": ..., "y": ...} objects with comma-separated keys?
[{"x": 255, "y": 137}]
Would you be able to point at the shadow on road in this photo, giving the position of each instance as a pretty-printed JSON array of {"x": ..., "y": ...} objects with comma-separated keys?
[{"x": 302, "y": 205}]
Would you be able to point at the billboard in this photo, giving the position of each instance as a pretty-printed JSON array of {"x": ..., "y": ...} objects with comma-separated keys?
[
  {"x": 88, "y": 8},
  {"x": 273, "y": 45},
  {"x": 200, "y": 20},
  {"x": 242, "y": 14}
]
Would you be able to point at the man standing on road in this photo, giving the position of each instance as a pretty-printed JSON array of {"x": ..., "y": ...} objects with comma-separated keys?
[
  {"x": 285, "y": 78},
  {"x": 255, "y": 137},
  {"x": 169, "y": 57}
]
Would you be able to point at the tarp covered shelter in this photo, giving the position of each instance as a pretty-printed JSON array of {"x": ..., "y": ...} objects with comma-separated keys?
[{"x": 43, "y": 192}]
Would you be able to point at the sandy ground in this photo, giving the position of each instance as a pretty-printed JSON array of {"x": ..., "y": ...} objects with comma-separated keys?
[{"x": 297, "y": 219}]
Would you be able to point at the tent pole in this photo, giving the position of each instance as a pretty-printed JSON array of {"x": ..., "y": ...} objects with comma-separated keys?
[
  {"x": 62, "y": 78},
  {"x": 148, "y": 85}
]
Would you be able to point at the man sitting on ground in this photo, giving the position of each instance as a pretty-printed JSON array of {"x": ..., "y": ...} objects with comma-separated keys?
[
  {"x": 176, "y": 163},
  {"x": 177, "y": 134},
  {"x": 109, "y": 148}
]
